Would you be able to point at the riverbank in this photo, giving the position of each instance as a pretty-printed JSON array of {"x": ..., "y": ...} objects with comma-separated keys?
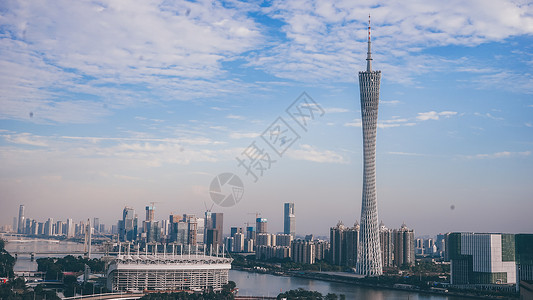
[{"x": 356, "y": 280}]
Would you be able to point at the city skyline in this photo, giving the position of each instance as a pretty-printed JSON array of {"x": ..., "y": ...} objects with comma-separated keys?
[{"x": 153, "y": 100}]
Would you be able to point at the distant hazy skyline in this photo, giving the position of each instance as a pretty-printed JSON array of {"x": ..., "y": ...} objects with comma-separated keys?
[{"x": 107, "y": 104}]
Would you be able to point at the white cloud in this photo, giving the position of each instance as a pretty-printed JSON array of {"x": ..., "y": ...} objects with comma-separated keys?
[
  {"x": 26, "y": 139},
  {"x": 405, "y": 153},
  {"x": 243, "y": 135},
  {"x": 327, "y": 39},
  {"x": 503, "y": 154},
  {"x": 393, "y": 102},
  {"x": 309, "y": 153},
  {"x": 336, "y": 110},
  {"x": 433, "y": 115},
  {"x": 55, "y": 55},
  {"x": 235, "y": 117},
  {"x": 488, "y": 115}
]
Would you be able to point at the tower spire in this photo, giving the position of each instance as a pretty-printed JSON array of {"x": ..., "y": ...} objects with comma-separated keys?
[{"x": 369, "y": 53}]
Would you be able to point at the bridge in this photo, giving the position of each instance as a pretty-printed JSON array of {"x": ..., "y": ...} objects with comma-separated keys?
[{"x": 108, "y": 296}]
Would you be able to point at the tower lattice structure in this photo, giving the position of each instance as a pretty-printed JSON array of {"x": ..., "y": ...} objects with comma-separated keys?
[{"x": 369, "y": 254}]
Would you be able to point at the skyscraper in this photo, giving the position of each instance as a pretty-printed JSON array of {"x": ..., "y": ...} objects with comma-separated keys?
[
  {"x": 20, "y": 228},
  {"x": 344, "y": 241},
  {"x": 369, "y": 252},
  {"x": 128, "y": 225},
  {"x": 289, "y": 220},
  {"x": 387, "y": 245},
  {"x": 404, "y": 246},
  {"x": 261, "y": 225},
  {"x": 213, "y": 229}
]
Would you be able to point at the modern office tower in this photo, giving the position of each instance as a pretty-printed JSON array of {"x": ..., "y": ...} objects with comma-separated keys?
[
  {"x": 49, "y": 227},
  {"x": 179, "y": 232},
  {"x": 200, "y": 223},
  {"x": 40, "y": 228},
  {"x": 482, "y": 258},
  {"x": 289, "y": 219},
  {"x": 165, "y": 228},
  {"x": 404, "y": 246},
  {"x": 28, "y": 223},
  {"x": 261, "y": 225},
  {"x": 213, "y": 229},
  {"x": 58, "y": 230},
  {"x": 344, "y": 243},
  {"x": 151, "y": 228},
  {"x": 128, "y": 225},
  {"x": 152, "y": 231},
  {"x": 96, "y": 224},
  {"x": 234, "y": 230},
  {"x": 387, "y": 246},
  {"x": 250, "y": 233},
  {"x": 70, "y": 228},
  {"x": 429, "y": 247},
  {"x": 238, "y": 242},
  {"x": 20, "y": 228},
  {"x": 303, "y": 251},
  {"x": 419, "y": 246},
  {"x": 15, "y": 224},
  {"x": 440, "y": 242},
  {"x": 150, "y": 213},
  {"x": 369, "y": 252},
  {"x": 524, "y": 257},
  {"x": 192, "y": 226}
]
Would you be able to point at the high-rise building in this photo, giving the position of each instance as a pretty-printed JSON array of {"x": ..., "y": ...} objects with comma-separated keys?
[
  {"x": 213, "y": 229},
  {"x": 303, "y": 252},
  {"x": 250, "y": 233},
  {"x": 48, "y": 227},
  {"x": 128, "y": 225},
  {"x": 150, "y": 213},
  {"x": 369, "y": 252},
  {"x": 96, "y": 224},
  {"x": 284, "y": 240},
  {"x": 344, "y": 243},
  {"x": 20, "y": 228},
  {"x": 289, "y": 220},
  {"x": 261, "y": 225},
  {"x": 404, "y": 246},
  {"x": 70, "y": 228},
  {"x": 238, "y": 242},
  {"x": 387, "y": 246},
  {"x": 15, "y": 224},
  {"x": 234, "y": 230},
  {"x": 490, "y": 258}
]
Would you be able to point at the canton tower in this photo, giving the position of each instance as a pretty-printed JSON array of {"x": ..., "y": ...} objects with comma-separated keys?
[{"x": 369, "y": 254}]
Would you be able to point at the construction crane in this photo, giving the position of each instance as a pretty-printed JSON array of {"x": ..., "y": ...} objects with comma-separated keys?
[{"x": 257, "y": 214}]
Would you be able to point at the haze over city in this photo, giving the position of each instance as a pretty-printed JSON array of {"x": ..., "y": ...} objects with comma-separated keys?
[{"x": 106, "y": 105}]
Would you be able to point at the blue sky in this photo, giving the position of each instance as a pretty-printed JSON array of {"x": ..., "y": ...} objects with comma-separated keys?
[{"x": 108, "y": 103}]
